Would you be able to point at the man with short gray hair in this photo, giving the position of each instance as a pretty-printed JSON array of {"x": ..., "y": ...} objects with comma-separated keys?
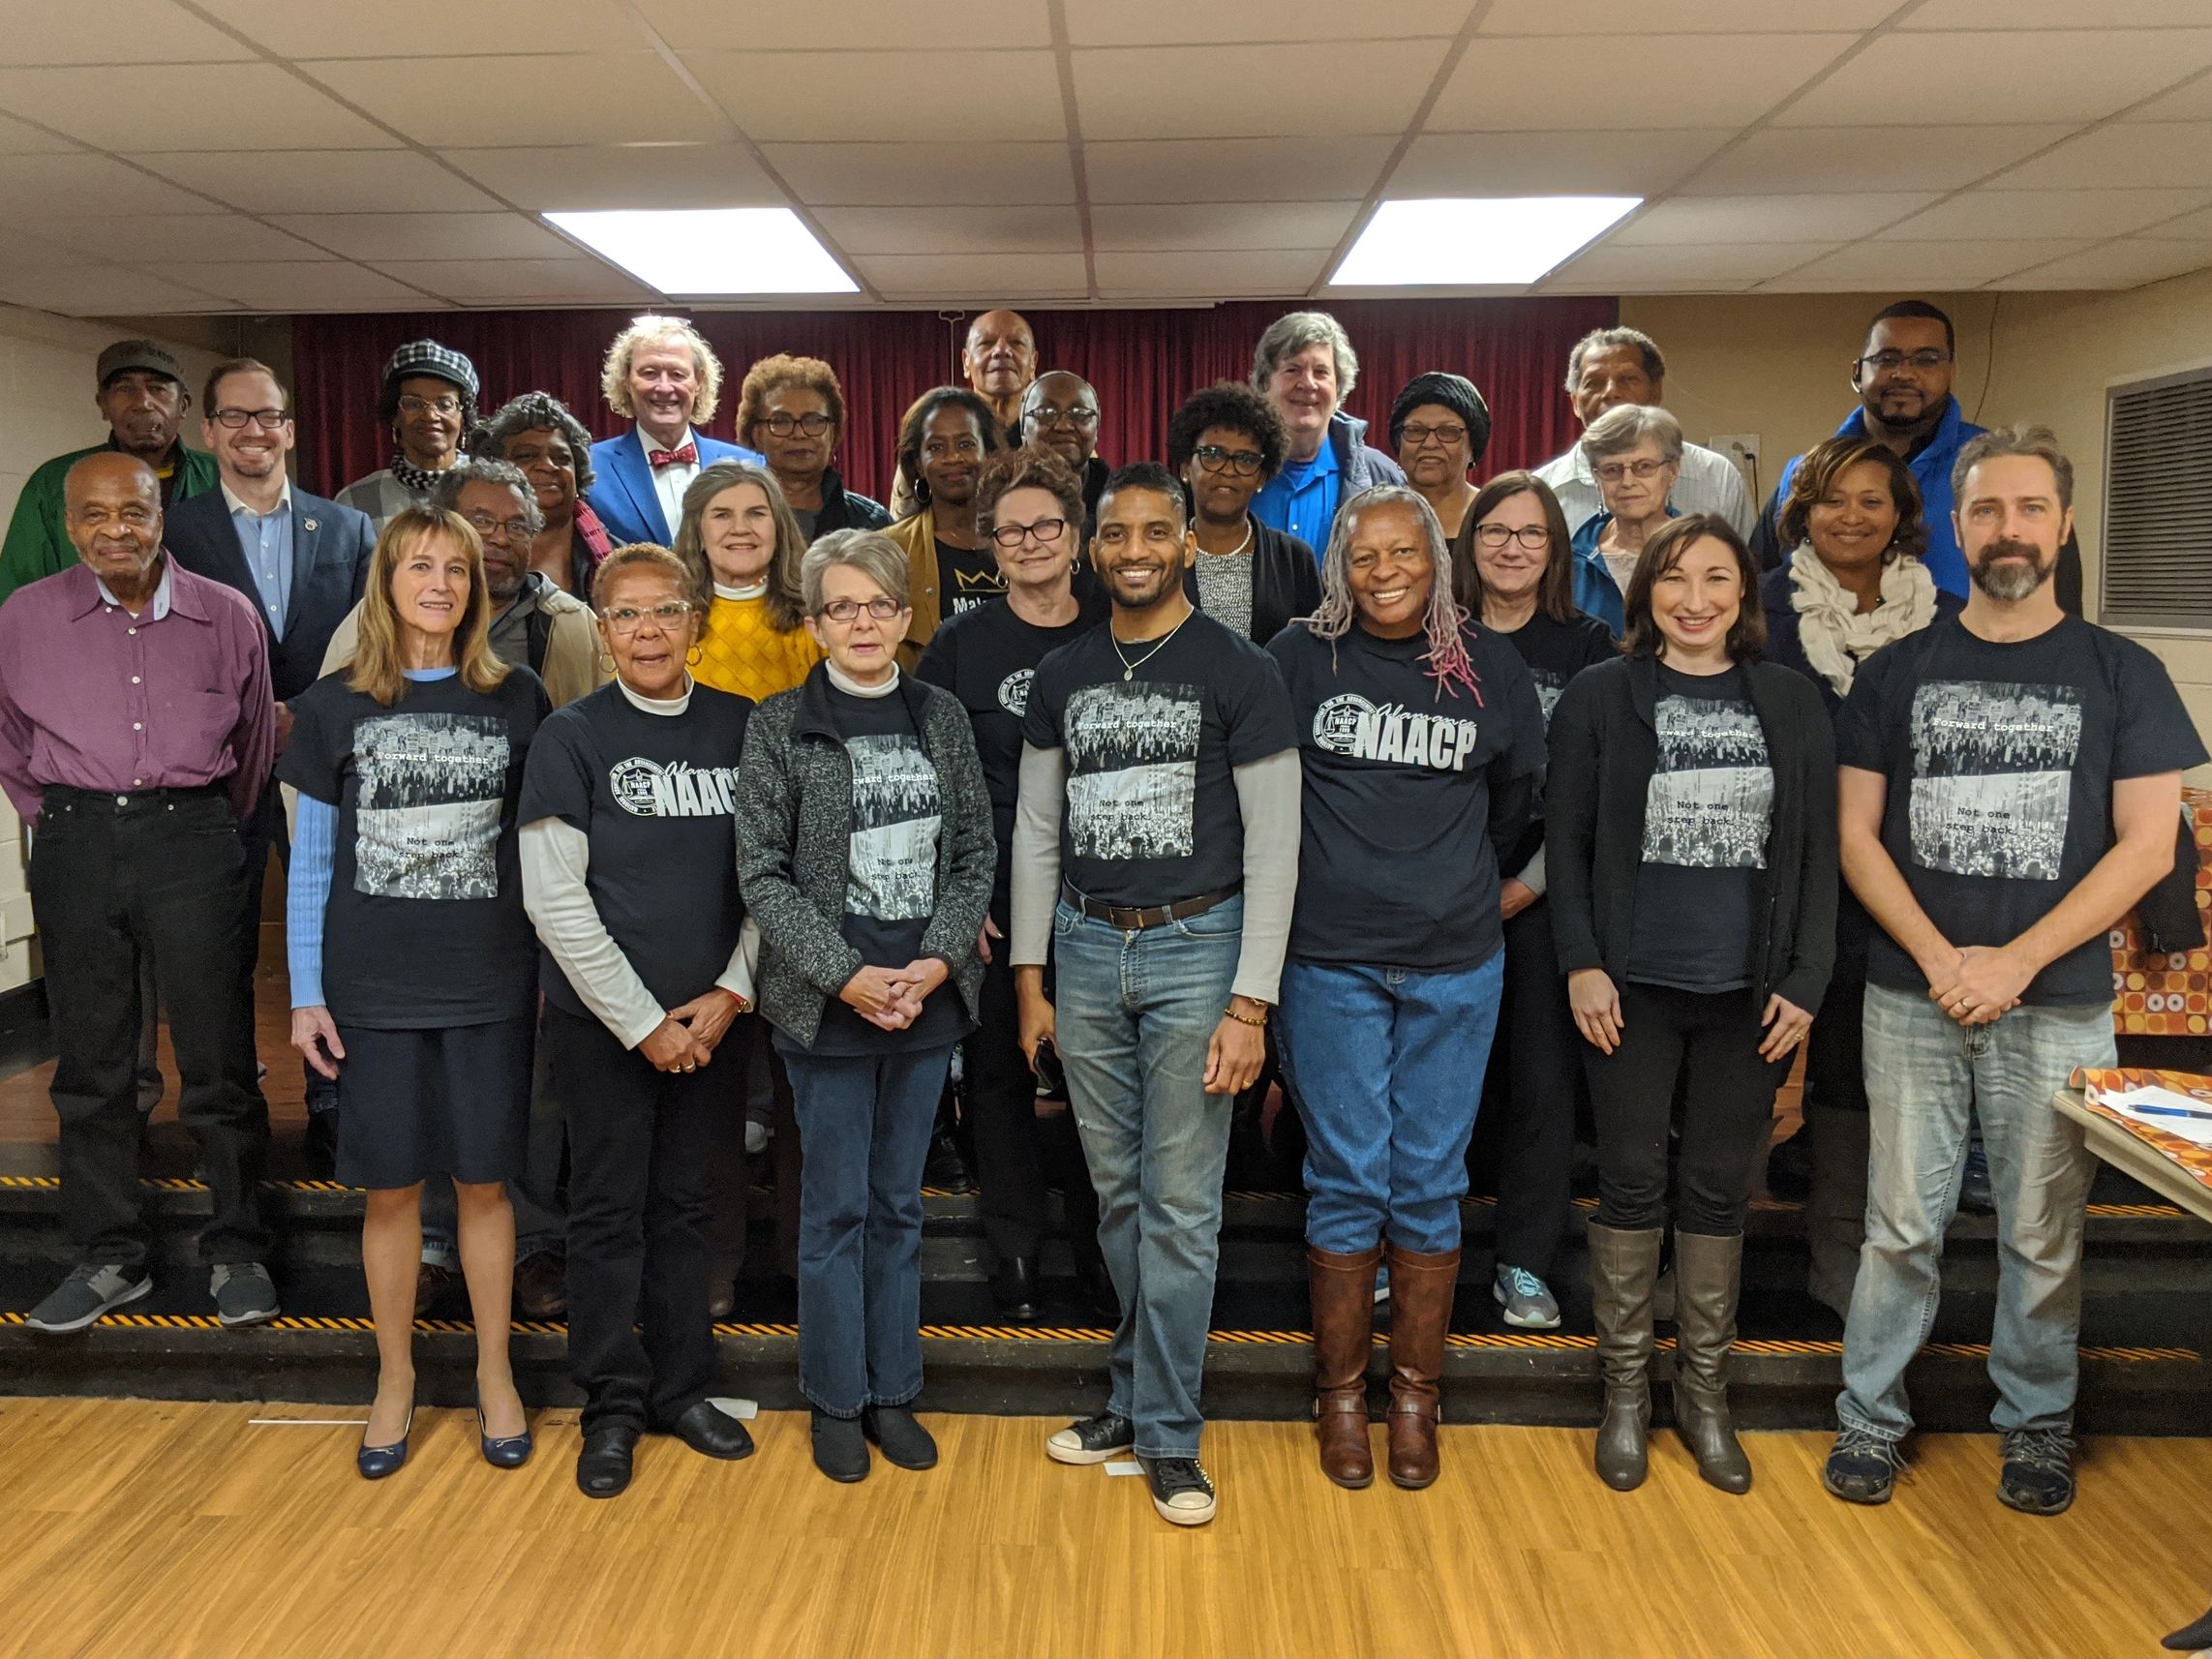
[
  {"x": 1610, "y": 367},
  {"x": 1305, "y": 366}
]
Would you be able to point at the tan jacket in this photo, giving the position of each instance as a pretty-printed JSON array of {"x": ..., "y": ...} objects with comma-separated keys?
[{"x": 918, "y": 536}]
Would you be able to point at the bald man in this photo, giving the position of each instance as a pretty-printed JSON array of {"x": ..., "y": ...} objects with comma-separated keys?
[
  {"x": 137, "y": 729},
  {"x": 998, "y": 362}
]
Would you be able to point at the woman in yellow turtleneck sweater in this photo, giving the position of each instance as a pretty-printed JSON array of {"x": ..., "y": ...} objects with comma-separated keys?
[{"x": 742, "y": 546}]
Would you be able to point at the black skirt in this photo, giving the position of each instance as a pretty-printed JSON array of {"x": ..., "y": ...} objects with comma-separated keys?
[{"x": 417, "y": 1103}]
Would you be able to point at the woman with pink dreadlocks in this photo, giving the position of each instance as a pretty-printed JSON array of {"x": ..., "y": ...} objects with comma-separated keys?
[{"x": 1423, "y": 744}]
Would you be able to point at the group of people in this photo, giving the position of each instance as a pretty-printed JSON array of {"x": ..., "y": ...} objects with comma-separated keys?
[{"x": 633, "y": 777}]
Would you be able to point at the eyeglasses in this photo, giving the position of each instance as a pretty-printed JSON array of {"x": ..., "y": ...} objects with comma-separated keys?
[
  {"x": 1534, "y": 537},
  {"x": 1045, "y": 415},
  {"x": 784, "y": 425},
  {"x": 449, "y": 404},
  {"x": 882, "y": 609},
  {"x": 268, "y": 420},
  {"x": 1890, "y": 362},
  {"x": 1613, "y": 471},
  {"x": 1244, "y": 463},
  {"x": 513, "y": 529},
  {"x": 1414, "y": 437},
  {"x": 668, "y": 615},
  {"x": 1045, "y": 531}
]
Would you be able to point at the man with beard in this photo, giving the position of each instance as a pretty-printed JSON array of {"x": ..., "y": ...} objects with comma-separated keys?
[
  {"x": 1156, "y": 857},
  {"x": 141, "y": 397},
  {"x": 2010, "y": 780}
]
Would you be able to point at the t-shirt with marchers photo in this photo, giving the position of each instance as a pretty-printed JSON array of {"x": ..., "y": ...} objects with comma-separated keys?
[{"x": 2000, "y": 759}]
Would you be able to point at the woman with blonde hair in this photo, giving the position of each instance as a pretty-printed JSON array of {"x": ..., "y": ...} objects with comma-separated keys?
[{"x": 414, "y": 970}]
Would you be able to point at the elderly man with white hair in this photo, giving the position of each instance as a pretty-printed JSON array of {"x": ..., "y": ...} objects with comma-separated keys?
[
  {"x": 1305, "y": 366},
  {"x": 661, "y": 373}
]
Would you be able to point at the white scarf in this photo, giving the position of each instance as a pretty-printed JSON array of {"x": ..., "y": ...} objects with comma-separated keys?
[{"x": 1835, "y": 636}]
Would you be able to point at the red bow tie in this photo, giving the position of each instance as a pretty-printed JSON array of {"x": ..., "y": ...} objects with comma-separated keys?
[{"x": 687, "y": 455}]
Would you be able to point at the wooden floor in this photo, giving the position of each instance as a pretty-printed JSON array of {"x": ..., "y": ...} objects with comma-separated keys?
[{"x": 136, "y": 1531}]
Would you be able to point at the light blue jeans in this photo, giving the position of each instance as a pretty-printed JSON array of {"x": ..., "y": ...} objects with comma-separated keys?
[
  {"x": 1925, "y": 1073},
  {"x": 1388, "y": 1065},
  {"x": 1136, "y": 1013}
]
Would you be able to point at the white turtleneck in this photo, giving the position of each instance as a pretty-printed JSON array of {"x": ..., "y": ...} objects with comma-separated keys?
[{"x": 851, "y": 687}]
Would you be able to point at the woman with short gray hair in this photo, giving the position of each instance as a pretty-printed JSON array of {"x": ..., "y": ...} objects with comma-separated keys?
[
  {"x": 536, "y": 433},
  {"x": 1635, "y": 453},
  {"x": 865, "y": 855},
  {"x": 1305, "y": 366}
]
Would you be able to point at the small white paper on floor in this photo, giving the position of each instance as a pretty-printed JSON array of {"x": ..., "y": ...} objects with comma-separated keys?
[
  {"x": 1125, "y": 1466},
  {"x": 306, "y": 1422},
  {"x": 744, "y": 1410}
]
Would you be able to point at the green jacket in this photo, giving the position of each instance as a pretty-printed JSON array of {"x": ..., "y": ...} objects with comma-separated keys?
[{"x": 37, "y": 538}]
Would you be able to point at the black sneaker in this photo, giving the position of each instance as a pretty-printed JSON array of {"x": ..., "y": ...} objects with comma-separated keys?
[
  {"x": 2038, "y": 1476},
  {"x": 902, "y": 1439},
  {"x": 244, "y": 1294},
  {"x": 840, "y": 1449},
  {"x": 1093, "y": 1440},
  {"x": 88, "y": 1294},
  {"x": 1863, "y": 1467},
  {"x": 1181, "y": 1490}
]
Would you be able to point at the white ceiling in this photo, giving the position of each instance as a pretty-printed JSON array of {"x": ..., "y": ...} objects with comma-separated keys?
[{"x": 343, "y": 154}]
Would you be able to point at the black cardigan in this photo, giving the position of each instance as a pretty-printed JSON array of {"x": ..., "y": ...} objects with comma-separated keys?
[
  {"x": 1604, "y": 746},
  {"x": 1285, "y": 581}
]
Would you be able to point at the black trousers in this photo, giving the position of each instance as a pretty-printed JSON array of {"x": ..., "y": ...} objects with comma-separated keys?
[
  {"x": 1836, "y": 1070},
  {"x": 641, "y": 1206},
  {"x": 1711, "y": 1041},
  {"x": 1525, "y": 1128},
  {"x": 1018, "y": 1154},
  {"x": 113, "y": 880}
]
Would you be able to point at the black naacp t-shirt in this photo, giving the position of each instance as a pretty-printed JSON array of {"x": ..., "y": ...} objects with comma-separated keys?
[
  {"x": 1396, "y": 865},
  {"x": 1152, "y": 814},
  {"x": 1707, "y": 812},
  {"x": 425, "y": 926},
  {"x": 1555, "y": 652},
  {"x": 891, "y": 870},
  {"x": 655, "y": 795},
  {"x": 2001, "y": 760},
  {"x": 967, "y": 577}
]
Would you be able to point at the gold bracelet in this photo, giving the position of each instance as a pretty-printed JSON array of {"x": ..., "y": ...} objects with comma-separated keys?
[{"x": 1243, "y": 1019}]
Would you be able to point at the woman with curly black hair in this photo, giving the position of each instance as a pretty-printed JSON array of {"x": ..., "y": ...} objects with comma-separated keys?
[
  {"x": 1225, "y": 444},
  {"x": 942, "y": 443}
]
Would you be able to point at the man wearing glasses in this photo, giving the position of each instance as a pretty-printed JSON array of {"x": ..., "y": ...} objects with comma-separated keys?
[
  {"x": 429, "y": 404},
  {"x": 1060, "y": 412}
]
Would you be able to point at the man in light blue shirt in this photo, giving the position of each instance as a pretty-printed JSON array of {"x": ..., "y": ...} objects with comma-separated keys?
[
  {"x": 265, "y": 538},
  {"x": 1305, "y": 366}
]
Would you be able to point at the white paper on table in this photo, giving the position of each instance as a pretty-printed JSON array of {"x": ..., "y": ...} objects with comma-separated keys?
[{"x": 2127, "y": 1101}]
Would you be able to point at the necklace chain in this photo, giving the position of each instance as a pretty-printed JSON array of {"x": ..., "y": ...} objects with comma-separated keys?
[{"x": 1128, "y": 669}]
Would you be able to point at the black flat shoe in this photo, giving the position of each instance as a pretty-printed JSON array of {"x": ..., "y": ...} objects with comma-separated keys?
[
  {"x": 604, "y": 1466},
  {"x": 712, "y": 1432},
  {"x": 903, "y": 1440},
  {"x": 1013, "y": 1289},
  {"x": 840, "y": 1449}
]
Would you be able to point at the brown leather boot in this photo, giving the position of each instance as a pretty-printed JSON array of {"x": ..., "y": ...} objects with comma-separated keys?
[
  {"x": 1623, "y": 1267},
  {"x": 1710, "y": 1271},
  {"x": 1344, "y": 1338},
  {"x": 1421, "y": 1288}
]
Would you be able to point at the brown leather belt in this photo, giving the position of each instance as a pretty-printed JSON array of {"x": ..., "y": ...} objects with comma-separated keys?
[{"x": 1135, "y": 918}]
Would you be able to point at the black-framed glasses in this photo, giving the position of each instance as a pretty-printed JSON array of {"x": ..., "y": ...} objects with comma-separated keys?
[
  {"x": 1048, "y": 414},
  {"x": 668, "y": 615},
  {"x": 1244, "y": 463},
  {"x": 883, "y": 608},
  {"x": 1414, "y": 437},
  {"x": 1534, "y": 537},
  {"x": 268, "y": 420},
  {"x": 1045, "y": 531},
  {"x": 784, "y": 425},
  {"x": 1925, "y": 362},
  {"x": 514, "y": 529},
  {"x": 449, "y": 404}
]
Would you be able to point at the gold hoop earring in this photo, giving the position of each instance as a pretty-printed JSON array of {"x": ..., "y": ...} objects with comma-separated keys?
[{"x": 696, "y": 655}]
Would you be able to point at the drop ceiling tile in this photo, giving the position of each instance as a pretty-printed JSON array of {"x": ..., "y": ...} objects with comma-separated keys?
[
  {"x": 317, "y": 181},
  {"x": 2174, "y": 155},
  {"x": 1269, "y": 272},
  {"x": 115, "y": 31},
  {"x": 973, "y": 276},
  {"x": 21, "y": 250},
  {"x": 593, "y": 177},
  {"x": 1650, "y": 268},
  {"x": 482, "y": 282},
  {"x": 1038, "y": 229},
  {"x": 378, "y": 237},
  {"x": 2190, "y": 102},
  {"x": 50, "y": 186},
  {"x": 2121, "y": 265},
  {"x": 1899, "y": 267},
  {"x": 2016, "y": 213},
  {"x": 160, "y": 238},
  {"x": 140, "y": 106},
  {"x": 433, "y": 28},
  {"x": 1143, "y": 172},
  {"x": 298, "y": 286},
  {"x": 1221, "y": 225},
  {"x": 1694, "y": 219},
  {"x": 103, "y": 290},
  {"x": 21, "y": 139},
  {"x": 1253, "y": 91},
  {"x": 2065, "y": 74},
  {"x": 886, "y": 97},
  {"x": 1810, "y": 159},
  {"x": 2051, "y": 15},
  {"x": 1599, "y": 20},
  {"x": 1537, "y": 163},
  {"x": 892, "y": 175},
  {"x": 2189, "y": 227},
  {"x": 890, "y": 24},
  {"x": 1173, "y": 22},
  {"x": 1523, "y": 84},
  {"x": 606, "y": 98}
]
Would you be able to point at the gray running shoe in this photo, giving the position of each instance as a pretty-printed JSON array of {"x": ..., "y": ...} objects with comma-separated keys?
[
  {"x": 1528, "y": 1301},
  {"x": 92, "y": 1290},
  {"x": 244, "y": 1294}
]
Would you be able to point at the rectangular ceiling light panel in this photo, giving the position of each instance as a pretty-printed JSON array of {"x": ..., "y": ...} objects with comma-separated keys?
[
  {"x": 703, "y": 251},
  {"x": 1474, "y": 241}
]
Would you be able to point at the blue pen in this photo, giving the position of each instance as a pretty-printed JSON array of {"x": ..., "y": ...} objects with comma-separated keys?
[{"x": 2171, "y": 1112}]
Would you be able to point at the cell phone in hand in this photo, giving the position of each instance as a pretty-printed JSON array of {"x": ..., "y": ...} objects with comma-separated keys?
[{"x": 1051, "y": 1076}]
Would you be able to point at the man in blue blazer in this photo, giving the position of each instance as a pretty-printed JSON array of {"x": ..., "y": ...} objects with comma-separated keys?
[
  {"x": 301, "y": 560},
  {"x": 661, "y": 373}
]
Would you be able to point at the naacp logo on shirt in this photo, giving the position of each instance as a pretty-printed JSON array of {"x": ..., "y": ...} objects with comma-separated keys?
[
  {"x": 1014, "y": 691},
  {"x": 1350, "y": 725},
  {"x": 648, "y": 789}
]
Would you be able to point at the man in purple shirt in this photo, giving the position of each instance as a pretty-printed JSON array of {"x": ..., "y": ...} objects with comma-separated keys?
[{"x": 137, "y": 730}]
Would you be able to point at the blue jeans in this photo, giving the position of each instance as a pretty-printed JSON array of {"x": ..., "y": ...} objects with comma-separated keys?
[
  {"x": 1136, "y": 1014},
  {"x": 1925, "y": 1073},
  {"x": 1388, "y": 1065},
  {"x": 863, "y": 1128}
]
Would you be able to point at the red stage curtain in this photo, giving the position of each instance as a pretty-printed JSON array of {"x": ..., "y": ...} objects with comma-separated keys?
[{"x": 1143, "y": 363}]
